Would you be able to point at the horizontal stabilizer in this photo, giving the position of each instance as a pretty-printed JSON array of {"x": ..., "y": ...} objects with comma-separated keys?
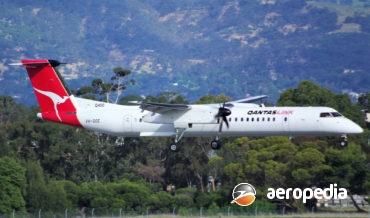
[{"x": 250, "y": 99}]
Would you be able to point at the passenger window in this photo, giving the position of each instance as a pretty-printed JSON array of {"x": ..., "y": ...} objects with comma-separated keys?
[
  {"x": 236, "y": 119},
  {"x": 242, "y": 119}
]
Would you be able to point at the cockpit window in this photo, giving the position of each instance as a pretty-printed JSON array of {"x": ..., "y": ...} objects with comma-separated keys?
[
  {"x": 336, "y": 114},
  {"x": 325, "y": 114},
  {"x": 331, "y": 114}
]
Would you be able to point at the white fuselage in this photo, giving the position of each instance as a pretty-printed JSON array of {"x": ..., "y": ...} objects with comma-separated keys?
[{"x": 245, "y": 120}]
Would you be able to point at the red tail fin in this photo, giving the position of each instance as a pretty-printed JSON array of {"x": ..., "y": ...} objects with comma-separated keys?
[{"x": 53, "y": 96}]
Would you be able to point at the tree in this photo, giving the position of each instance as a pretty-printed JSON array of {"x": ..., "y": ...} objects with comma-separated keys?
[
  {"x": 153, "y": 172},
  {"x": 36, "y": 188},
  {"x": 13, "y": 184},
  {"x": 161, "y": 201},
  {"x": 56, "y": 197},
  {"x": 167, "y": 97},
  {"x": 306, "y": 94},
  {"x": 119, "y": 83},
  {"x": 10, "y": 111},
  {"x": 309, "y": 167},
  {"x": 215, "y": 165},
  {"x": 311, "y": 94},
  {"x": 364, "y": 101},
  {"x": 106, "y": 89},
  {"x": 348, "y": 168},
  {"x": 211, "y": 99},
  {"x": 266, "y": 162},
  {"x": 207, "y": 199}
]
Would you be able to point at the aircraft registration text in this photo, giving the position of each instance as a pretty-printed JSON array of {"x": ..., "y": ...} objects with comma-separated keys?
[{"x": 93, "y": 121}]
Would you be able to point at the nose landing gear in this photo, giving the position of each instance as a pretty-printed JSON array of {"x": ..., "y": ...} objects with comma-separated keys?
[{"x": 343, "y": 140}]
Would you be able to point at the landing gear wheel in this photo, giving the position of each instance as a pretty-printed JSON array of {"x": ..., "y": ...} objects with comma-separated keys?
[
  {"x": 215, "y": 144},
  {"x": 175, "y": 147},
  {"x": 343, "y": 141}
]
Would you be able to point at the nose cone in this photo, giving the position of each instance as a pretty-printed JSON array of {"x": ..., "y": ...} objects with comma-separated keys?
[{"x": 353, "y": 128}]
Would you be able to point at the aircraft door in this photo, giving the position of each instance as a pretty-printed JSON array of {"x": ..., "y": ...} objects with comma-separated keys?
[{"x": 127, "y": 123}]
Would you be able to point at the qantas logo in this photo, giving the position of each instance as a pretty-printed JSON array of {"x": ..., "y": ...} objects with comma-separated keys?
[
  {"x": 55, "y": 98},
  {"x": 270, "y": 112}
]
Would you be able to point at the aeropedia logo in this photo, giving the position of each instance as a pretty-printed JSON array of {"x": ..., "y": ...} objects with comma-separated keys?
[
  {"x": 308, "y": 193},
  {"x": 244, "y": 194}
]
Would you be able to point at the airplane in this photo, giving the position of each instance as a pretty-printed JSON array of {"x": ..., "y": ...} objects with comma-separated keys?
[{"x": 241, "y": 117}]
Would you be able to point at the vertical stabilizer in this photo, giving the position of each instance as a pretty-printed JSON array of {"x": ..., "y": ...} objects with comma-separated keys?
[{"x": 54, "y": 98}]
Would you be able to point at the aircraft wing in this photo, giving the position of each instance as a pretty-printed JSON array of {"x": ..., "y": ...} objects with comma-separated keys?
[{"x": 163, "y": 108}]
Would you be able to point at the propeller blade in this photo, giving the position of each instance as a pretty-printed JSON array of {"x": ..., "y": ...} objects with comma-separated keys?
[
  {"x": 220, "y": 128},
  {"x": 223, "y": 112},
  {"x": 225, "y": 120}
]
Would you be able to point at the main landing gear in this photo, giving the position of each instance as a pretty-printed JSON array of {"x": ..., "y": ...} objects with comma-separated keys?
[
  {"x": 223, "y": 112},
  {"x": 175, "y": 147},
  {"x": 216, "y": 144}
]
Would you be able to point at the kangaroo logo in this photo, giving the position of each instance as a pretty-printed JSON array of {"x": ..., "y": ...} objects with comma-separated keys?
[{"x": 55, "y": 98}]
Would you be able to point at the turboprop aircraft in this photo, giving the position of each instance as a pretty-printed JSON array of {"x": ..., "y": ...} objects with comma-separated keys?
[{"x": 241, "y": 117}]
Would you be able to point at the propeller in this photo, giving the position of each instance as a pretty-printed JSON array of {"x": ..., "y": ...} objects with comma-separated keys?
[{"x": 223, "y": 112}]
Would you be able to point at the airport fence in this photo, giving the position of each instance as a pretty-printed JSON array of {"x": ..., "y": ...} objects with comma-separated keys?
[{"x": 228, "y": 212}]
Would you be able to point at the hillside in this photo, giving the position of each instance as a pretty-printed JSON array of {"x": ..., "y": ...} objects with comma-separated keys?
[{"x": 192, "y": 47}]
